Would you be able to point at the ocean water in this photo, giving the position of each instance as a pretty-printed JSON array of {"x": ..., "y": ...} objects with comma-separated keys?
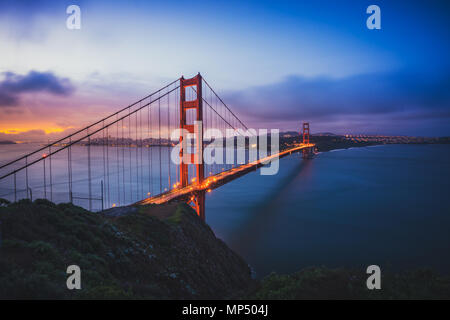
[
  {"x": 125, "y": 173},
  {"x": 385, "y": 205},
  {"x": 118, "y": 176}
]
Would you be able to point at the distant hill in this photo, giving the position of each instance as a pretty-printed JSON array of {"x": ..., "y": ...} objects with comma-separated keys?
[
  {"x": 324, "y": 134},
  {"x": 288, "y": 134},
  {"x": 7, "y": 142}
]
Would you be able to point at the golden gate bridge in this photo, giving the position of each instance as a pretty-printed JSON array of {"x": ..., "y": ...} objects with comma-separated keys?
[{"x": 125, "y": 158}]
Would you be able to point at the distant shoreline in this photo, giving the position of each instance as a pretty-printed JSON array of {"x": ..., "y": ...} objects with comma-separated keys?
[
  {"x": 380, "y": 145},
  {"x": 7, "y": 142},
  {"x": 333, "y": 142}
]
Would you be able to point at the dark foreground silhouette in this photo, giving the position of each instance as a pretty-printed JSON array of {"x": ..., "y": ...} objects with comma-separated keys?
[{"x": 160, "y": 252}]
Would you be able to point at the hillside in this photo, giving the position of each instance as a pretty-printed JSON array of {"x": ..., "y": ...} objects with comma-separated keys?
[
  {"x": 343, "y": 283},
  {"x": 162, "y": 252}
]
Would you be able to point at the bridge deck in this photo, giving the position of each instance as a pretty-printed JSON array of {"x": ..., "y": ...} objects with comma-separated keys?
[{"x": 219, "y": 179}]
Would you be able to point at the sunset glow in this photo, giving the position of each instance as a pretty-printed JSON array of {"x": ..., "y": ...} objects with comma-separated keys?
[
  {"x": 52, "y": 78},
  {"x": 46, "y": 129}
]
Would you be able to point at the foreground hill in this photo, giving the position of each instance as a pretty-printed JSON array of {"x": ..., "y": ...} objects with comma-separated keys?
[
  {"x": 324, "y": 283},
  {"x": 160, "y": 252},
  {"x": 151, "y": 252}
]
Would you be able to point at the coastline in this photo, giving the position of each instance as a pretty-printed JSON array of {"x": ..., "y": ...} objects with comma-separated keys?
[{"x": 162, "y": 252}]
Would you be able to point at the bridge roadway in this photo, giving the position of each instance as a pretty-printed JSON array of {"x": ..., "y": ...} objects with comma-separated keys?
[{"x": 215, "y": 181}]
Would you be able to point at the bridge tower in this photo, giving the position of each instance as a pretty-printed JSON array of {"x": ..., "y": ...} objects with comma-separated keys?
[
  {"x": 197, "y": 200},
  {"x": 305, "y": 132},
  {"x": 306, "y": 152}
]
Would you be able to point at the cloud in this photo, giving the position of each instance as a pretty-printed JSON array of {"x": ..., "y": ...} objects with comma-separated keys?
[
  {"x": 13, "y": 85},
  {"x": 365, "y": 97},
  {"x": 389, "y": 103}
]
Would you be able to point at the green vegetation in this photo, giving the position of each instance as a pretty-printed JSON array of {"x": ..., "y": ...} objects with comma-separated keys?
[
  {"x": 160, "y": 252},
  {"x": 324, "y": 283},
  {"x": 144, "y": 253},
  {"x": 177, "y": 217},
  {"x": 41, "y": 239}
]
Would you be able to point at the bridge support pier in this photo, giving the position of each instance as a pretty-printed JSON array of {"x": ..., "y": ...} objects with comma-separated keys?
[
  {"x": 307, "y": 153},
  {"x": 198, "y": 203}
]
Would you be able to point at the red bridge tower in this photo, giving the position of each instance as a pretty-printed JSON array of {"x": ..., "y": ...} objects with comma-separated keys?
[
  {"x": 197, "y": 199},
  {"x": 305, "y": 132},
  {"x": 307, "y": 152}
]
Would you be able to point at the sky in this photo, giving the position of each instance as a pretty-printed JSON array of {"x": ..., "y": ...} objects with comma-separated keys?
[{"x": 275, "y": 63}]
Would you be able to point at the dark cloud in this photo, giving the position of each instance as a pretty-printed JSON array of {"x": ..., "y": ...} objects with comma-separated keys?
[
  {"x": 327, "y": 99},
  {"x": 7, "y": 99},
  {"x": 13, "y": 85}
]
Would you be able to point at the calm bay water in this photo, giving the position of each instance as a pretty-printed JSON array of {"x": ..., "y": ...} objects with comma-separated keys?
[{"x": 386, "y": 205}]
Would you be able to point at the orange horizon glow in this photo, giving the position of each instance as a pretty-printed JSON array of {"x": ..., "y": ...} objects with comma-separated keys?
[{"x": 46, "y": 129}]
